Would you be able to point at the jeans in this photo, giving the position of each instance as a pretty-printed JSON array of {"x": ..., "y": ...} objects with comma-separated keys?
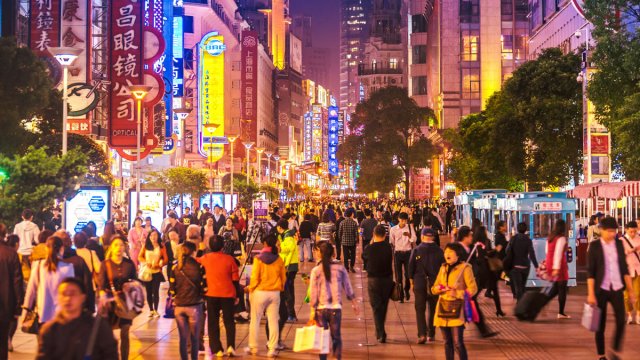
[
  {"x": 331, "y": 319},
  {"x": 635, "y": 289},
  {"x": 616, "y": 298},
  {"x": 153, "y": 291},
  {"x": 422, "y": 301},
  {"x": 305, "y": 244},
  {"x": 379, "y": 290},
  {"x": 402, "y": 261},
  {"x": 454, "y": 336},
  {"x": 188, "y": 321},
  {"x": 518, "y": 277},
  {"x": 261, "y": 301},
  {"x": 214, "y": 305},
  {"x": 349, "y": 256},
  {"x": 290, "y": 291},
  {"x": 560, "y": 289}
]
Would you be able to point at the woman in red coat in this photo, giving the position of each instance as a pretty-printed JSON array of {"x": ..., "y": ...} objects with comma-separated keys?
[{"x": 557, "y": 267}]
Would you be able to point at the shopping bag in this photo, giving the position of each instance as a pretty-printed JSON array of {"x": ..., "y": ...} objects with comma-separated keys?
[
  {"x": 591, "y": 317},
  {"x": 312, "y": 339}
]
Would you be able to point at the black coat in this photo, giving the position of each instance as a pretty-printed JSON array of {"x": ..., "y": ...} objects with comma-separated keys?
[
  {"x": 425, "y": 261},
  {"x": 11, "y": 283},
  {"x": 595, "y": 262}
]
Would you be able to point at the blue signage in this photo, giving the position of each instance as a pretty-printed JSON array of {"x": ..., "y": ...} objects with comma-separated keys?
[
  {"x": 334, "y": 129},
  {"x": 96, "y": 204},
  {"x": 79, "y": 226},
  {"x": 283, "y": 195}
]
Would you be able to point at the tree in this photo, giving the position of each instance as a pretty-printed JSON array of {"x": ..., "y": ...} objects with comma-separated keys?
[
  {"x": 25, "y": 93},
  {"x": 178, "y": 181},
  {"x": 98, "y": 164},
  {"x": 387, "y": 140},
  {"x": 36, "y": 179},
  {"x": 614, "y": 89},
  {"x": 246, "y": 192}
]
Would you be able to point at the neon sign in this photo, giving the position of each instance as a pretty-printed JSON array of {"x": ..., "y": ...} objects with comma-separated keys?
[{"x": 211, "y": 96}]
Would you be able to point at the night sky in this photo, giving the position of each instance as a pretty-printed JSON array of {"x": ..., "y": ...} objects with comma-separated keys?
[{"x": 326, "y": 32}]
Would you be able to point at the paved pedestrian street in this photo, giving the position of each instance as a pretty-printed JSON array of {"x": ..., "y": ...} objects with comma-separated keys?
[{"x": 546, "y": 339}]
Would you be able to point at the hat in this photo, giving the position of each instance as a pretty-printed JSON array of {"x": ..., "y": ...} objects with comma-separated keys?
[{"x": 428, "y": 232}]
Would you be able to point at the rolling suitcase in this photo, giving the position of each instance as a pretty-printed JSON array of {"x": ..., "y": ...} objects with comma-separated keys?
[{"x": 531, "y": 304}]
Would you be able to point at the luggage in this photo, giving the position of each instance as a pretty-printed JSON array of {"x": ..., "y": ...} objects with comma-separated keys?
[{"x": 530, "y": 305}]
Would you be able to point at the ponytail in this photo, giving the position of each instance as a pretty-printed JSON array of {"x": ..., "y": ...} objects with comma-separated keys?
[
  {"x": 184, "y": 252},
  {"x": 272, "y": 242},
  {"x": 54, "y": 244},
  {"x": 326, "y": 251}
]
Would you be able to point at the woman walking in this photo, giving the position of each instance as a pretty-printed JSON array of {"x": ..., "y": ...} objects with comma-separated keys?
[
  {"x": 454, "y": 279},
  {"x": 488, "y": 278},
  {"x": 557, "y": 267},
  {"x": 187, "y": 284},
  {"x": 115, "y": 271},
  {"x": 137, "y": 237},
  {"x": 327, "y": 281},
  {"x": 268, "y": 276},
  {"x": 153, "y": 257},
  {"x": 326, "y": 229}
]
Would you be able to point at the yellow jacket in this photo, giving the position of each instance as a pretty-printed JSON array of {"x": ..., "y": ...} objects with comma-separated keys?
[
  {"x": 466, "y": 282},
  {"x": 268, "y": 276}
]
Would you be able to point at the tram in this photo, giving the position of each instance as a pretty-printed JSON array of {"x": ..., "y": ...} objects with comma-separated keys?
[
  {"x": 465, "y": 205},
  {"x": 487, "y": 211}
]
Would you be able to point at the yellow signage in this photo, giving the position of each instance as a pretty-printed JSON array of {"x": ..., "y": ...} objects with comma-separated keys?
[{"x": 211, "y": 138}]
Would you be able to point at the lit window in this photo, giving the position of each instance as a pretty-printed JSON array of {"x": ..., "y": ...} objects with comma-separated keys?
[
  {"x": 393, "y": 63},
  {"x": 470, "y": 83},
  {"x": 470, "y": 44}
]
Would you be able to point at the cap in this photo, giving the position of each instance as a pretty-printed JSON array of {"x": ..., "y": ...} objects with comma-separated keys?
[{"x": 428, "y": 232}]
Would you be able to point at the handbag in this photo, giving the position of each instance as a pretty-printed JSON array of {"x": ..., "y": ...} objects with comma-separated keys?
[
  {"x": 396, "y": 292},
  {"x": 31, "y": 321},
  {"x": 450, "y": 309},
  {"x": 144, "y": 274},
  {"x": 120, "y": 305},
  {"x": 312, "y": 339},
  {"x": 542, "y": 271},
  {"x": 591, "y": 317},
  {"x": 169, "y": 308},
  {"x": 495, "y": 264}
]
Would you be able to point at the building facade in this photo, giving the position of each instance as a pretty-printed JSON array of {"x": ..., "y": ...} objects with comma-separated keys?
[{"x": 354, "y": 33}]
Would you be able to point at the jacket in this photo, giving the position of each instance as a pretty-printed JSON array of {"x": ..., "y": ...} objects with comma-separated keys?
[
  {"x": 187, "y": 285},
  {"x": 553, "y": 247},
  {"x": 42, "y": 288},
  {"x": 595, "y": 263},
  {"x": 11, "y": 283},
  {"x": 520, "y": 250},
  {"x": 425, "y": 261},
  {"x": 267, "y": 273},
  {"x": 28, "y": 232},
  {"x": 447, "y": 277},
  {"x": 289, "y": 249},
  {"x": 61, "y": 339},
  {"x": 329, "y": 296}
]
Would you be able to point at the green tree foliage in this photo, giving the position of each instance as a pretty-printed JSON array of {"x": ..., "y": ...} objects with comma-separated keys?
[
  {"x": 387, "y": 140},
  {"x": 615, "y": 87},
  {"x": 99, "y": 172},
  {"x": 246, "y": 192},
  {"x": 36, "y": 179},
  {"x": 531, "y": 131},
  {"x": 25, "y": 94},
  {"x": 178, "y": 180}
]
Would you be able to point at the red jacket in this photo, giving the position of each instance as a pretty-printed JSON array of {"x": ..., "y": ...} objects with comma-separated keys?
[{"x": 564, "y": 267}]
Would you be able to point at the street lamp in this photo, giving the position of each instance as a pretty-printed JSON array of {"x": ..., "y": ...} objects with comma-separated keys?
[
  {"x": 232, "y": 139},
  {"x": 138, "y": 92},
  {"x": 65, "y": 56},
  {"x": 247, "y": 146},
  {"x": 259, "y": 150},
  {"x": 269, "y": 155},
  {"x": 211, "y": 128},
  {"x": 276, "y": 158}
]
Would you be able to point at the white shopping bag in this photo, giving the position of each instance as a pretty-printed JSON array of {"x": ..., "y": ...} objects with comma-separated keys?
[
  {"x": 312, "y": 339},
  {"x": 591, "y": 317}
]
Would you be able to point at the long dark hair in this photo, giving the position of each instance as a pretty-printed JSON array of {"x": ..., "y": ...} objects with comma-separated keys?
[
  {"x": 481, "y": 236},
  {"x": 148, "y": 244},
  {"x": 54, "y": 244},
  {"x": 186, "y": 250},
  {"x": 109, "y": 232},
  {"x": 271, "y": 241},
  {"x": 559, "y": 229},
  {"x": 326, "y": 254}
]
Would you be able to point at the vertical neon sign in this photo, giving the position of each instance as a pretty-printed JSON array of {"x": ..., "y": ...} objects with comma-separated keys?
[{"x": 211, "y": 96}]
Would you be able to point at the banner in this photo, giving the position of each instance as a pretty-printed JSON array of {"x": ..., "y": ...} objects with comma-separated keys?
[
  {"x": 249, "y": 91},
  {"x": 211, "y": 96},
  {"x": 333, "y": 141},
  {"x": 45, "y": 33},
  {"x": 125, "y": 42}
]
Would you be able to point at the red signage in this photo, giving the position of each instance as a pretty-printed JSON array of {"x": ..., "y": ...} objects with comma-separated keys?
[
  {"x": 599, "y": 144},
  {"x": 45, "y": 25},
  {"x": 249, "y": 90},
  {"x": 126, "y": 69},
  {"x": 79, "y": 126}
]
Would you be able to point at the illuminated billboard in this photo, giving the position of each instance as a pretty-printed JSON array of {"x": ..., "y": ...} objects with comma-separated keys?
[
  {"x": 211, "y": 138},
  {"x": 92, "y": 203},
  {"x": 308, "y": 138},
  {"x": 316, "y": 133},
  {"x": 333, "y": 140},
  {"x": 152, "y": 203}
]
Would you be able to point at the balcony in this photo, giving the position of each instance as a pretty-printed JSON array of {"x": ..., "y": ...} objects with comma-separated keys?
[{"x": 377, "y": 70}]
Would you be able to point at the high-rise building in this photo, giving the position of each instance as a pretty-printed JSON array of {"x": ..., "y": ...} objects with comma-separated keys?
[
  {"x": 354, "y": 33},
  {"x": 555, "y": 23},
  {"x": 316, "y": 59}
]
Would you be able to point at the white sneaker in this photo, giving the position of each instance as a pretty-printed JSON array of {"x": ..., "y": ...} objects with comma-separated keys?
[
  {"x": 231, "y": 352},
  {"x": 564, "y": 316},
  {"x": 250, "y": 351},
  {"x": 630, "y": 319}
]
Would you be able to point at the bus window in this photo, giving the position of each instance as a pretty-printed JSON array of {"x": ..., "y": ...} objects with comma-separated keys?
[
  {"x": 543, "y": 224},
  {"x": 570, "y": 224},
  {"x": 526, "y": 218}
]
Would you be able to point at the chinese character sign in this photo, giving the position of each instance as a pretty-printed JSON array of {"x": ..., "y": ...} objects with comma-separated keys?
[
  {"x": 126, "y": 69},
  {"x": 316, "y": 132},
  {"x": 75, "y": 33},
  {"x": 333, "y": 140},
  {"x": 260, "y": 210},
  {"x": 308, "y": 138},
  {"x": 249, "y": 92},
  {"x": 45, "y": 32},
  {"x": 211, "y": 95}
]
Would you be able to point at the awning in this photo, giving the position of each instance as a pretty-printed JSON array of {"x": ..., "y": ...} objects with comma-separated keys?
[
  {"x": 585, "y": 191},
  {"x": 619, "y": 190}
]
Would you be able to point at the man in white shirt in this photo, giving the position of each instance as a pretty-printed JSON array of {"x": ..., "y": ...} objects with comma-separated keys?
[
  {"x": 28, "y": 232},
  {"x": 631, "y": 244},
  {"x": 402, "y": 238}
]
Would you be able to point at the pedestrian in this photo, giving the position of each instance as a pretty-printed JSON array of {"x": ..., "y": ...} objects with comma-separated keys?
[
  {"x": 187, "y": 285},
  {"x": 222, "y": 283},
  {"x": 518, "y": 259},
  {"x": 55, "y": 222},
  {"x": 306, "y": 235},
  {"x": 174, "y": 224},
  {"x": 454, "y": 279},
  {"x": 608, "y": 276},
  {"x": 68, "y": 334},
  {"x": 28, "y": 232},
  {"x": 268, "y": 277},
  {"x": 207, "y": 231},
  {"x": 631, "y": 244},
  {"x": 348, "y": 234},
  {"x": 39, "y": 252},
  {"x": 426, "y": 222},
  {"x": 366, "y": 227},
  {"x": 147, "y": 225},
  {"x": 424, "y": 266},
  {"x": 219, "y": 219},
  {"x": 187, "y": 218},
  {"x": 327, "y": 281},
  {"x": 402, "y": 238},
  {"x": 153, "y": 256},
  {"x": 115, "y": 271},
  {"x": 338, "y": 239},
  {"x": 89, "y": 256},
  {"x": 487, "y": 277},
  {"x": 379, "y": 257},
  {"x": 11, "y": 291},
  {"x": 231, "y": 239},
  {"x": 326, "y": 230},
  {"x": 557, "y": 266},
  {"x": 137, "y": 237},
  {"x": 80, "y": 269},
  {"x": 289, "y": 253},
  {"x": 46, "y": 275}
]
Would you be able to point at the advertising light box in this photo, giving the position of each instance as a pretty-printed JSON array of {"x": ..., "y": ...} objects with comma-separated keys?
[
  {"x": 152, "y": 203},
  {"x": 92, "y": 203}
]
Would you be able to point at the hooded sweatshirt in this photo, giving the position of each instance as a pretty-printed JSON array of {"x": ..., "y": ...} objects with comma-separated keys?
[
  {"x": 28, "y": 233},
  {"x": 268, "y": 273}
]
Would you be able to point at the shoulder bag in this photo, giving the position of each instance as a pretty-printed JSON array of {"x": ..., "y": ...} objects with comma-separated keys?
[
  {"x": 120, "y": 307},
  {"x": 450, "y": 309}
]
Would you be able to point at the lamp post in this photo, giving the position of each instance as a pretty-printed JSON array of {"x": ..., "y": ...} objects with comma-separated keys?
[
  {"x": 65, "y": 56},
  {"x": 259, "y": 150},
  {"x": 232, "y": 139},
  {"x": 269, "y": 155},
  {"x": 211, "y": 128},
  {"x": 276, "y": 158},
  {"x": 247, "y": 146},
  {"x": 138, "y": 92}
]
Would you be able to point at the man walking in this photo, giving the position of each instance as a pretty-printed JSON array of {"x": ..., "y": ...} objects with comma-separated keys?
[
  {"x": 11, "y": 291},
  {"x": 28, "y": 232},
  {"x": 348, "y": 233},
  {"x": 367, "y": 226},
  {"x": 402, "y": 238}
]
